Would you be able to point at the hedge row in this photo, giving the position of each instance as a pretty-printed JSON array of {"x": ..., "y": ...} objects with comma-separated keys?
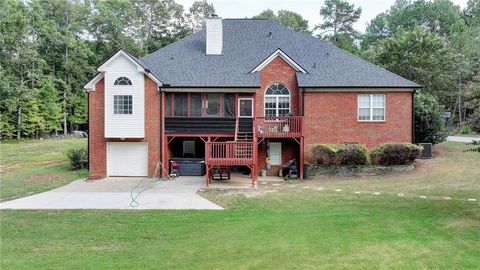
[{"x": 357, "y": 154}]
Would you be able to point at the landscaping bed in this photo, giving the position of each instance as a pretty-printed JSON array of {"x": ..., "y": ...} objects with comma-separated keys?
[{"x": 314, "y": 170}]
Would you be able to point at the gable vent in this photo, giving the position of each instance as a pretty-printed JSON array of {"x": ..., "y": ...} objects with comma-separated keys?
[{"x": 214, "y": 35}]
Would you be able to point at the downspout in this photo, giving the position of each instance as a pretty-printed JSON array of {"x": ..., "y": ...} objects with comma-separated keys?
[
  {"x": 88, "y": 133},
  {"x": 413, "y": 115},
  {"x": 303, "y": 101},
  {"x": 161, "y": 128}
]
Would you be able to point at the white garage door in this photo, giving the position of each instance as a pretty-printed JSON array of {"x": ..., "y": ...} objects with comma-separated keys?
[{"x": 127, "y": 159}]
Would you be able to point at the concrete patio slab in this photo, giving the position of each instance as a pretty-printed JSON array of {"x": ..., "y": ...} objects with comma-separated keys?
[{"x": 115, "y": 193}]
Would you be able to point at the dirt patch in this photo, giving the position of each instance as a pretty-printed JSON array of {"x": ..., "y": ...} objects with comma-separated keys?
[
  {"x": 44, "y": 178},
  {"x": 93, "y": 178}
]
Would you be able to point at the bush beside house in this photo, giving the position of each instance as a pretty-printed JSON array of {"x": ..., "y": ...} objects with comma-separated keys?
[
  {"x": 337, "y": 154},
  {"x": 429, "y": 120},
  {"x": 395, "y": 154},
  {"x": 78, "y": 157},
  {"x": 355, "y": 160}
]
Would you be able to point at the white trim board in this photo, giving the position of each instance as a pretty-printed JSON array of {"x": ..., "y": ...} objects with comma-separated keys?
[
  {"x": 90, "y": 86},
  {"x": 284, "y": 56}
]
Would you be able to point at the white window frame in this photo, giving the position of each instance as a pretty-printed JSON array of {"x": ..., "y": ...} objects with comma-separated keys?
[
  {"x": 276, "y": 101},
  {"x": 371, "y": 108},
  {"x": 123, "y": 109},
  {"x": 123, "y": 78},
  {"x": 239, "y": 102}
]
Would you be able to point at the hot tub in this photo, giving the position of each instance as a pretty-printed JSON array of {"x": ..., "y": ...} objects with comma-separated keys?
[{"x": 189, "y": 166}]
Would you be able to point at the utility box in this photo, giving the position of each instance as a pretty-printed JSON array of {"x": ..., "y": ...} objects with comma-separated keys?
[{"x": 427, "y": 150}]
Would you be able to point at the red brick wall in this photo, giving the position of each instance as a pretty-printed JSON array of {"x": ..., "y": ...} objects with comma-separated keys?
[
  {"x": 96, "y": 131},
  {"x": 332, "y": 118},
  {"x": 152, "y": 123},
  {"x": 97, "y": 140},
  {"x": 278, "y": 71}
]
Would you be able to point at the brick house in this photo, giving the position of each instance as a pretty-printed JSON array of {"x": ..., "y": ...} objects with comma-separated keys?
[{"x": 237, "y": 93}]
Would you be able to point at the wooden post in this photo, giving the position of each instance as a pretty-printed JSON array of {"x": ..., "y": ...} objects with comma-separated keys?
[{"x": 301, "y": 163}]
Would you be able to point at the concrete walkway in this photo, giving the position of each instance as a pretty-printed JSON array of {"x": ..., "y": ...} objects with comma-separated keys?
[
  {"x": 462, "y": 139},
  {"x": 114, "y": 193}
]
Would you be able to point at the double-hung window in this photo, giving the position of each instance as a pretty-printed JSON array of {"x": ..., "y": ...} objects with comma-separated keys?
[
  {"x": 277, "y": 100},
  {"x": 122, "y": 104},
  {"x": 371, "y": 107}
]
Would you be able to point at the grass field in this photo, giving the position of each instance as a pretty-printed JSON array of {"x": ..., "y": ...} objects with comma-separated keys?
[
  {"x": 33, "y": 166},
  {"x": 292, "y": 228}
]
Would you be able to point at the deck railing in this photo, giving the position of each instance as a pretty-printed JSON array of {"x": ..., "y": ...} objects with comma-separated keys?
[
  {"x": 279, "y": 127},
  {"x": 229, "y": 153}
]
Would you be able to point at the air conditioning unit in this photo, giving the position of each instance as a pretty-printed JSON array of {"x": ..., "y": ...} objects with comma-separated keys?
[{"x": 427, "y": 150}]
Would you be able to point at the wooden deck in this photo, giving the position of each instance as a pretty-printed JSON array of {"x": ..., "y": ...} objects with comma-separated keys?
[{"x": 279, "y": 127}]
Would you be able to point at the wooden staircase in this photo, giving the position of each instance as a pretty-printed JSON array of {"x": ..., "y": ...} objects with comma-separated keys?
[{"x": 221, "y": 156}]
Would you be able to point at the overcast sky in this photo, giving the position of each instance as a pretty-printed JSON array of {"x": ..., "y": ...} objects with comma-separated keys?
[{"x": 309, "y": 9}]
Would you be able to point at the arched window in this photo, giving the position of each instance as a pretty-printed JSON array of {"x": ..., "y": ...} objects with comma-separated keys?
[
  {"x": 277, "y": 100},
  {"x": 123, "y": 81}
]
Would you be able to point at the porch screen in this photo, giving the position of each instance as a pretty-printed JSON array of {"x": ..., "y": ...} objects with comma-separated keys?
[
  {"x": 168, "y": 104},
  {"x": 180, "y": 104},
  {"x": 195, "y": 104},
  {"x": 212, "y": 104},
  {"x": 229, "y": 105}
]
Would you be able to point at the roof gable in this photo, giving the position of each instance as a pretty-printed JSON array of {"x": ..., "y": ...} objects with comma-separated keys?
[
  {"x": 284, "y": 56},
  {"x": 120, "y": 53},
  {"x": 139, "y": 65}
]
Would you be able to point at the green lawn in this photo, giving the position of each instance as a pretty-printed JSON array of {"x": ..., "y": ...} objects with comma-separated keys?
[
  {"x": 33, "y": 166},
  {"x": 292, "y": 228}
]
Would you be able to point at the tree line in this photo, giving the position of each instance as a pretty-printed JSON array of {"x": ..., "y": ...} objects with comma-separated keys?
[{"x": 50, "y": 48}]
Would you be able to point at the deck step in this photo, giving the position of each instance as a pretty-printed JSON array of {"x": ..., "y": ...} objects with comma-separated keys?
[{"x": 221, "y": 173}]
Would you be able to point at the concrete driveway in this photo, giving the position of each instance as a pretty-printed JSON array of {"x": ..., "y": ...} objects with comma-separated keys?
[
  {"x": 114, "y": 193},
  {"x": 462, "y": 139}
]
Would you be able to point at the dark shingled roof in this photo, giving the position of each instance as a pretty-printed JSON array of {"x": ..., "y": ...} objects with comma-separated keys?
[{"x": 247, "y": 42}]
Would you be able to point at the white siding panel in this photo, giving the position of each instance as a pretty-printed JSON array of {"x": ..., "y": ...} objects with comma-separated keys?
[
  {"x": 214, "y": 36},
  {"x": 124, "y": 125},
  {"x": 127, "y": 159}
]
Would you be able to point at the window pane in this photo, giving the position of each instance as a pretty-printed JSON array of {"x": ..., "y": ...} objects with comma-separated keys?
[
  {"x": 378, "y": 114},
  {"x": 270, "y": 102},
  {"x": 363, "y": 114},
  {"x": 283, "y": 112},
  {"x": 168, "y": 104},
  {"x": 212, "y": 104},
  {"x": 364, "y": 101},
  {"x": 122, "y": 104},
  {"x": 180, "y": 105},
  {"x": 195, "y": 105},
  {"x": 229, "y": 105},
  {"x": 378, "y": 101},
  {"x": 270, "y": 112},
  {"x": 246, "y": 107},
  {"x": 283, "y": 102}
]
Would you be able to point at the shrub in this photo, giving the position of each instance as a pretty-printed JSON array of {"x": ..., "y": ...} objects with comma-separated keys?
[
  {"x": 429, "y": 121},
  {"x": 78, "y": 157},
  {"x": 353, "y": 154},
  {"x": 325, "y": 153},
  {"x": 334, "y": 154},
  {"x": 465, "y": 129},
  {"x": 395, "y": 154}
]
